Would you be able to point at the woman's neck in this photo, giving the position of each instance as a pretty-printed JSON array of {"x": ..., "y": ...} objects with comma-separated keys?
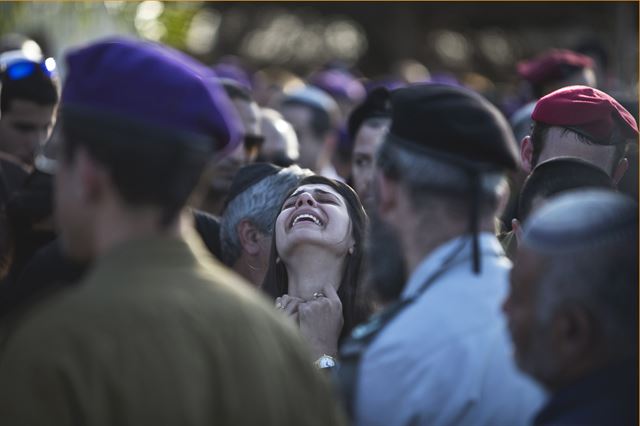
[{"x": 310, "y": 270}]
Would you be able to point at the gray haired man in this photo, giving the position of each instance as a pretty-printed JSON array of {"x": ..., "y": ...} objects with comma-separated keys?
[
  {"x": 439, "y": 355},
  {"x": 246, "y": 227},
  {"x": 573, "y": 307}
]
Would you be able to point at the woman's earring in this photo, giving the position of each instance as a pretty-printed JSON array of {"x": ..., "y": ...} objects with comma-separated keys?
[
  {"x": 351, "y": 250},
  {"x": 278, "y": 259}
]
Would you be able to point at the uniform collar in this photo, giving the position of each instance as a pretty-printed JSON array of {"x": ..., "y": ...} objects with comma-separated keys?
[
  {"x": 151, "y": 252},
  {"x": 461, "y": 245}
]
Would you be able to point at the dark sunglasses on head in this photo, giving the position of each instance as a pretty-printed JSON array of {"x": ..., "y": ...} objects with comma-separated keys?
[{"x": 23, "y": 68}]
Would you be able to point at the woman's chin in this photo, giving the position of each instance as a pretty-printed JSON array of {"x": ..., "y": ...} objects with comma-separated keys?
[{"x": 311, "y": 246}]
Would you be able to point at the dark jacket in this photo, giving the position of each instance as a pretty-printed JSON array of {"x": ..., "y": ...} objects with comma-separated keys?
[{"x": 606, "y": 397}]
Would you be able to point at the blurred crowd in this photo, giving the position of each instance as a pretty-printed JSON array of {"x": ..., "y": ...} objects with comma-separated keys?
[{"x": 190, "y": 244}]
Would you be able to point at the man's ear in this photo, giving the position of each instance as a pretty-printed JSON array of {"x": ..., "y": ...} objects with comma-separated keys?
[
  {"x": 573, "y": 333},
  {"x": 249, "y": 237},
  {"x": 526, "y": 154},
  {"x": 620, "y": 170},
  {"x": 93, "y": 177}
]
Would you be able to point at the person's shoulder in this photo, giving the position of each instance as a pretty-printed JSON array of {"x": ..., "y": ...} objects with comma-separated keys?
[
  {"x": 51, "y": 323},
  {"x": 457, "y": 307},
  {"x": 227, "y": 284},
  {"x": 220, "y": 294}
]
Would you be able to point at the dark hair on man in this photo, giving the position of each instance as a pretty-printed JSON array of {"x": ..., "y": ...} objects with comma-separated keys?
[
  {"x": 320, "y": 124},
  {"x": 354, "y": 308},
  {"x": 147, "y": 166},
  {"x": 235, "y": 90},
  {"x": 37, "y": 87},
  {"x": 558, "y": 175},
  {"x": 539, "y": 135}
]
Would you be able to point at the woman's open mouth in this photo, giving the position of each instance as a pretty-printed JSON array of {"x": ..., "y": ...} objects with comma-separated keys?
[{"x": 306, "y": 217}]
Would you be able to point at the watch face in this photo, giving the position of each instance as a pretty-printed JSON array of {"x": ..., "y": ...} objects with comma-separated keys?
[{"x": 325, "y": 362}]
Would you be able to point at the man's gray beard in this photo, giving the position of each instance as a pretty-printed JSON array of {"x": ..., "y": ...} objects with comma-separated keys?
[{"x": 385, "y": 261}]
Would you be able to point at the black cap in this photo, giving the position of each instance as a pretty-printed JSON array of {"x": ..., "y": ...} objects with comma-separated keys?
[
  {"x": 558, "y": 175},
  {"x": 453, "y": 124},
  {"x": 376, "y": 105},
  {"x": 248, "y": 176},
  {"x": 457, "y": 126}
]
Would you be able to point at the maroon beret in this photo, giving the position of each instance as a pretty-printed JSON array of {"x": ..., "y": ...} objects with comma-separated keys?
[
  {"x": 589, "y": 112},
  {"x": 552, "y": 65}
]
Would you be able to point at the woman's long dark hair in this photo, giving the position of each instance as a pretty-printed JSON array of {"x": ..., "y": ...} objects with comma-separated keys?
[{"x": 354, "y": 308}]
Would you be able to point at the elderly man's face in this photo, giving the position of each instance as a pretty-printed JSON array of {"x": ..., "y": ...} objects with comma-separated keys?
[{"x": 531, "y": 337}]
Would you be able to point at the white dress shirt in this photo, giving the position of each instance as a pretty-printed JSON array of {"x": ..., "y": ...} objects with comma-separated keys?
[{"x": 446, "y": 359}]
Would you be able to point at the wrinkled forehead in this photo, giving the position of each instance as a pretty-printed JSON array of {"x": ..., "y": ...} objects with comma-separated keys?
[{"x": 316, "y": 188}]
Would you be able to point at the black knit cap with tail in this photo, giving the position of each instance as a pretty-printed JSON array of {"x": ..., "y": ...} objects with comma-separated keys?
[{"x": 457, "y": 126}]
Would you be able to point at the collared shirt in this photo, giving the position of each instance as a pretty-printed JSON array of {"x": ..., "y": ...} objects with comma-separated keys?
[
  {"x": 446, "y": 359},
  {"x": 159, "y": 335}
]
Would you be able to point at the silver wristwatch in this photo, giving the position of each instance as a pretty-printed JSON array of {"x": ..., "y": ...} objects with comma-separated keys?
[{"x": 325, "y": 361}]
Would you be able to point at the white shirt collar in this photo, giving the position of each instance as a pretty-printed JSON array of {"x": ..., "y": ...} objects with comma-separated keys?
[{"x": 461, "y": 245}]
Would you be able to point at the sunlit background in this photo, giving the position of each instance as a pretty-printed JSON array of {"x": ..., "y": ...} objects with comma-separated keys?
[{"x": 478, "y": 43}]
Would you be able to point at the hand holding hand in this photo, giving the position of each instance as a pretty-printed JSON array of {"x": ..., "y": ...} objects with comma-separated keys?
[
  {"x": 289, "y": 306},
  {"x": 321, "y": 322}
]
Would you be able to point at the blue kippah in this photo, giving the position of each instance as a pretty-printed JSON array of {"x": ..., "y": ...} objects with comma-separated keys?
[{"x": 581, "y": 219}]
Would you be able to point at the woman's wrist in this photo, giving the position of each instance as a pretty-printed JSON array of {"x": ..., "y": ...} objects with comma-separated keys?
[{"x": 319, "y": 349}]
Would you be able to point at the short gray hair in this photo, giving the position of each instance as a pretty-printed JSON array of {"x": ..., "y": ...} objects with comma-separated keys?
[
  {"x": 259, "y": 204},
  {"x": 604, "y": 280},
  {"x": 426, "y": 177}
]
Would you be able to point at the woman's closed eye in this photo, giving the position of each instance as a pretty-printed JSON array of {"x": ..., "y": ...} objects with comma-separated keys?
[{"x": 327, "y": 199}]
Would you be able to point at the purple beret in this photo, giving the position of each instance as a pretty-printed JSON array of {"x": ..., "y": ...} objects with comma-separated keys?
[
  {"x": 339, "y": 84},
  {"x": 153, "y": 86},
  {"x": 233, "y": 72},
  {"x": 589, "y": 112},
  {"x": 389, "y": 83},
  {"x": 444, "y": 78},
  {"x": 551, "y": 65}
]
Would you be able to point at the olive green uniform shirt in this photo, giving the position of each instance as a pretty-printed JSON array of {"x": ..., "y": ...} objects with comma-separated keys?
[{"x": 159, "y": 335}]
